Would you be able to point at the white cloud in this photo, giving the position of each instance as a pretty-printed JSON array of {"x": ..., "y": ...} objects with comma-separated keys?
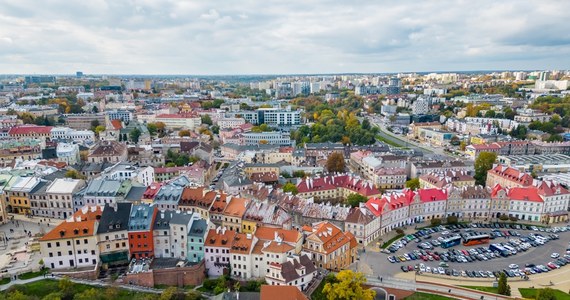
[{"x": 236, "y": 37}]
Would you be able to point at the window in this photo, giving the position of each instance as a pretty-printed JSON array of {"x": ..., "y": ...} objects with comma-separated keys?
[{"x": 49, "y": 245}]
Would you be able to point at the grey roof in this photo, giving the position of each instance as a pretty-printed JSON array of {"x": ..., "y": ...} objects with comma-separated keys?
[
  {"x": 198, "y": 228},
  {"x": 136, "y": 193},
  {"x": 141, "y": 217},
  {"x": 243, "y": 148},
  {"x": 181, "y": 218},
  {"x": 169, "y": 193},
  {"x": 103, "y": 187},
  {"x": 112, "y": 220},
  {"x": 162, "y": 220},
  {"x": 55, "y": 175},
  {"x": 40, "y": 188}
]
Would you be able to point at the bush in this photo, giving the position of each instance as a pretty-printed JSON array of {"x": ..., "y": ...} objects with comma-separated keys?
[
  {"x": 210, "y": 284},
  {"x": 513, "y": 219},
  {"x": 435, "y": 222},
  {"x": 399, "y": 231},
  {"x": 452, "y": 220},
  {"x": 503, "y": 217}
]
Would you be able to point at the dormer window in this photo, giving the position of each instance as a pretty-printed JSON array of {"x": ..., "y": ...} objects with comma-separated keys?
[{"x": 75, "y": 231}]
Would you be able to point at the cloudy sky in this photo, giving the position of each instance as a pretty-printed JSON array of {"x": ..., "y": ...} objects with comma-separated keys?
[{"x": 276, "y": 37}]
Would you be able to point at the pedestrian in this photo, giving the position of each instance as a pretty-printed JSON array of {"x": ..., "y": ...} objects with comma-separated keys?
[{"x": 449, "y": 291}]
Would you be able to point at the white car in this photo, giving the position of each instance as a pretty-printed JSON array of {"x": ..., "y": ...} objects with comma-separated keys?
[
  {"x": 428, "y": 269},
  {"x": 513, "y": 266},
  {"x": 555, "y": 255},
  {"x": 445, "y": 232},
  {"x": 441, "y": 270}
]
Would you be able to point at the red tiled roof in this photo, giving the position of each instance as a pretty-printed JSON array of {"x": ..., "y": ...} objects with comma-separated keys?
[
  {"x": 82, "y": 224},
  {"x": 525, "y": 194},
  {"x": 117, "y": 124},
  {"x": 428, "y": 195},
  {"x": 30, "y": 129}
]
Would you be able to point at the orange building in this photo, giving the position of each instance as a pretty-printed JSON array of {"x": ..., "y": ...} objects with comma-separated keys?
[{"x": 141, "y": 242}]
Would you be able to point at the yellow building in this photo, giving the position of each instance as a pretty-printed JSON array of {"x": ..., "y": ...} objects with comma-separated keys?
[
  {"x": 250, "y": 169},
  {"x": 19, "y": 195},
  {"x": 329, "y": 247}
]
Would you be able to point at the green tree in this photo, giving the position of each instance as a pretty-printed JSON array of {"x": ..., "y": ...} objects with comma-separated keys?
[
  {"x": 89, "y": 294},
  {"x": 503, "y": 287},
  {"x": 290, "y": 188},
  {"x": 17, "y": 295},
  {"x": 53, "y": 296},
  {"x": 207, "y": 120},
  {"x": 135, "y": 134},
  {"x": 545, "y": 294},
  {"x": 65, "y": 287},
  {"x": 490, "y": 114},
  {"x": 73, "y": 174},
  {"x": 483, "y": 164},
  {"x": 99, "y": 129},
  {"x": 452, "y": 220},
  {"x": 95, "y": 109},
  {"x": 435, "y": 222},
  {"x": 152, "y": 128},
  {"x": 348, "y": 286},
  {"x": 335, "y": 162},
  {"x": 355, "y": 199},
  {"x": 413, "y": 184}
]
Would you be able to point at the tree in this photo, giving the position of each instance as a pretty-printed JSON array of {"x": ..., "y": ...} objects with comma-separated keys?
[
  {"x": 462, "y": 145},
  {"x": 89, "y": 294},
  {"x": 41, "y": 263},
  {"x": 545, "y": 294},
  {"x": 504, "y": 217},
  {"x": 348, "y": 286},
  {"x": 413, "y": 184},
  {"x": 207, "y": 120},
  {"x": 354, "y": 199},
  {"x": 452, "y": 220},
  {"x": 503, "y": 288},
  {"x": 335, "y": 162},
  {"x": 95, "y": 109},
  {"x": 184, "y": 132},
  {"x": 94, "y": 124},
  {"x": 135, "y": 134},
  {"x": 73, "y": 174},
  {"x": 483, "y": 164},
  {"x": 99, "y": 129},
  {"x": 17, "y": 295},
  {"x": 53, "y": 296},
  {"x": 290, "y": 188},
  {"x": 435, "y": 222},
  {"x": 152, "y": 128},
  {"x": 65, "y": 287}
]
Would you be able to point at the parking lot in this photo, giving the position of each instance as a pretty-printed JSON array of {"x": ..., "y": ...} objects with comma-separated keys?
[{"x": 469, "y": 262}]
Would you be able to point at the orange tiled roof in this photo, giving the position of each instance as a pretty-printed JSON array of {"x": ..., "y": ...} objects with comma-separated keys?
[
  {"x": 219, "y": 238},
  {"x": 268, "y": 234},
  {"x": 236, "y": 207},
  {"x": 82, "y": 224},
  {"x": 241, "y": 244}
]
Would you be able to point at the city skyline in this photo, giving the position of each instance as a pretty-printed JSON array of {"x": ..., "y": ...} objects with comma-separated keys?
[{"x": 223, "y": 38}]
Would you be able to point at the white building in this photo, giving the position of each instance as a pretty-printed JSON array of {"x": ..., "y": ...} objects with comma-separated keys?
[
  {"x": 73, "y": 243},
  {"x": 122, "y": 171},
  {"x": 123, "y": 115},
  {"x": 68, "y": 153},
  {"x": 217, "y": 250},
  {"x": 66, "y": 133},
  {"x": 230, "y": 123},
  {"x": 60, "y": 196},
  {"x": 272, "y": 137},
  {"x": 420, "y": 106}
]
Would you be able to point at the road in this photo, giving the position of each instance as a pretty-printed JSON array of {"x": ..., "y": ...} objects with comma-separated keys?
[{"x": 437, "y": 288}]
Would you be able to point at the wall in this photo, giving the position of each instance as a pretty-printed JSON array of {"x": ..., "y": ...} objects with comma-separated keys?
[{"x": 180, "y": 277}]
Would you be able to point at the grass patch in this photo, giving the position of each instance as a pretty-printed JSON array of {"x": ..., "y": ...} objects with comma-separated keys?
[
  {"x": 389, "y": 242},
  {"x": 531, "y": 293},
  {"x": 488, "y": 289},
  {"x": 426, "y": 296},
  {"x": 30, "y": 275},
  {"x": 5, "y": 280},
  {"x": 44, "y": 287},
  {"x": 388, "y": 141}
]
